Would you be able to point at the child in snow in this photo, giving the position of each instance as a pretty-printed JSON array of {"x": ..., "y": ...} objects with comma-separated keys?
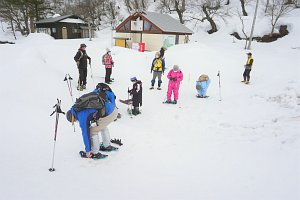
[
  {"x": 136, "y": 93},
  {"x": 202, "y": 85},
  {"x": 175, "y": 76},
  {"x": 248, "y": 68},
  {"x": 158, "y": 68},
  {"x": 108, "y": 63}
]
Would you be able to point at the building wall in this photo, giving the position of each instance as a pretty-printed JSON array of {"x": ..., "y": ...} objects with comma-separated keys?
[{"x": 153, "y": 42}]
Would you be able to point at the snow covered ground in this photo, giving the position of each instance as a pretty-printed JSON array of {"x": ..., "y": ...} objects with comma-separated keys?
[{"x": 244, "y": 147}]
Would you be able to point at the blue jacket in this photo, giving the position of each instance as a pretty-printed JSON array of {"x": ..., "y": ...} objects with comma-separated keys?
[{"x": 84, "y": 117}]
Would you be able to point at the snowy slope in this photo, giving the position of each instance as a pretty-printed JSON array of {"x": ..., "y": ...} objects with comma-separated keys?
[{"x": 243, "y": 147}]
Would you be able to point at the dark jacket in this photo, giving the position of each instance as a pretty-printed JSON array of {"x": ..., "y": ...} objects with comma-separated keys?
[
  {"x": 162, "y": 52},
  {"x": 136, "y": 92},
  {"x": 81, "y": 59}
]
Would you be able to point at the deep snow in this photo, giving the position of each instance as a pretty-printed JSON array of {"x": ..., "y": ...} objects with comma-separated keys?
[{"x": 244, "y": 147}]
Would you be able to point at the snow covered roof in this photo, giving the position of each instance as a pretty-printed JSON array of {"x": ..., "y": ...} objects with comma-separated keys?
[
  {"x": 64, "y": 18},
  {"x": 166, "y": 23},
  {"x": 71, "y": 20}
]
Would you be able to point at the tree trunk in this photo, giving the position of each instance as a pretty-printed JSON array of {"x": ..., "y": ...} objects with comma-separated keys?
[
  {"x": 228, "y": 2},
  {"x": 243, "y": 8},
  {"x": 210, "y": 20}
]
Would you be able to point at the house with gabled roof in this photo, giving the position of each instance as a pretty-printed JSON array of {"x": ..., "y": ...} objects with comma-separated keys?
[
  {"x": 153, "y": 29},
  {"x": 64, "y": 27}
]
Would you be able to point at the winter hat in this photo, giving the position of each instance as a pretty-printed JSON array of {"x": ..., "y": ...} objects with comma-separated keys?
[
  {"x": 70, "y": 117},
  {"x": 133, "y": 78},
  {"x": 164, "y": 48},
  {"x": 107, "y": 50},
  {"x": 82, "y": 45},
  {"x": 175, "y": 67},
  {"x": 157, "y": 54},
  {"x": 249, "y": 54}
]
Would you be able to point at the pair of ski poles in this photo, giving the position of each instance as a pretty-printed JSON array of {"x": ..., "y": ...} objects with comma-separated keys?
[{"x": 57, "y": 111}]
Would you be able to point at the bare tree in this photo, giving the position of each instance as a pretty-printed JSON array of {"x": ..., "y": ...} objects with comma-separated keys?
[
  {"x": 243, "y": 7},
  {"x": 243, "y": 28},
  {"x": 209, "y": 10},
  {"x": 136, "y": 5},
  {"x": 276, "y": 10},
  {"x": 170, "y": 6}
]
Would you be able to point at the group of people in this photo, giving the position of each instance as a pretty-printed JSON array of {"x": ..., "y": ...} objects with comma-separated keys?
[{"x": 92, "y": 123}]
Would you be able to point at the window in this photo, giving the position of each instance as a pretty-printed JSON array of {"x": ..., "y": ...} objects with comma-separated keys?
[
  {"x": 53, "y": 30},
  {"x": 126, "y": 26},
  {"x": 149, "y": 27},
  {"x": 74, "y": 30}
]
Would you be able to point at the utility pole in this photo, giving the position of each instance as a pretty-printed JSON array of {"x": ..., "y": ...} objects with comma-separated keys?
[{"x": 253, "y": 24}]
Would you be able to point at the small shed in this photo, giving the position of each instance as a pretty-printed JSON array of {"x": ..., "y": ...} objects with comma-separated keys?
[
  {"x": 153, "y": 29},
  {"x": 65, "y": 27}
]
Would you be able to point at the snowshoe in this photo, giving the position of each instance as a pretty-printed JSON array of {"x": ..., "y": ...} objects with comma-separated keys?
[
  {"x": 243, "y": 81},
  {"x": 117, "y": 141},
  {"x": 159, "y": 88},
  {"x": 151, "y": 88},
  {"x": 108, "y": 149},
  {"x": 201, "y": 96},
  {"x": 94, "y": 156},
  {"x": 174, "y": 102},
  {"x": 247, "y": 82},
  {"x": 168, "y": 102}
]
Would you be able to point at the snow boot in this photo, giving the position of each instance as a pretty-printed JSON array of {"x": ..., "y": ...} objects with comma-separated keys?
[
  {"x": 174, "y": 102},
  {"x": 151, "y": 88},
  {"x": 159, "y": 88},
  {"x": 168, "y": 101}
]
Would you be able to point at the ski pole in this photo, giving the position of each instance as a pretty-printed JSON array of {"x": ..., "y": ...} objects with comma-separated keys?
[
  {"x": 129, "y": 105},
  {"x": 68, "y": 78},
  {"x": 57, "y": 111},
  {"x": 219, "y": 75}
]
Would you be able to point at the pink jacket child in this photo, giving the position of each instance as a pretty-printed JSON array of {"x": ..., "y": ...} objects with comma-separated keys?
[{"x": 175, "y": 76}]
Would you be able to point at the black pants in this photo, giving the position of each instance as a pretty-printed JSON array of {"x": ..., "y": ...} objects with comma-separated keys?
[
  {"x": 107, "y": 74},
  {"x": 82, "y": 76},
  {"x": 246, "y": 74}
]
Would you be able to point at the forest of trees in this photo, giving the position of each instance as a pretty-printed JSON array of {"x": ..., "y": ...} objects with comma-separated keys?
[{"x": 22, "y": 14}]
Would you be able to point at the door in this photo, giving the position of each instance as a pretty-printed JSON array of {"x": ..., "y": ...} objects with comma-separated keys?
[{"x": 64, "y": 33}]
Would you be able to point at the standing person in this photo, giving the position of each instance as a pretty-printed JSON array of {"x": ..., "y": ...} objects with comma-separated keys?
[
  {"x": 158, "y": 68},
  {"x": 108, "y": 63},
  {"x": 81, "y": 58},
  {"x": 202, "y": 85},
  {"x": 162, "y": 52},
  {"x": 136, "y": 92},
  {"x": 248, "y": 68},
  {"x": 175, "y": 76},
  {"x": 93, "y": 121}
]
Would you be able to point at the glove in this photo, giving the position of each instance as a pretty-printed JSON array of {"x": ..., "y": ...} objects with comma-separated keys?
[{"x": 175, "y": 79}]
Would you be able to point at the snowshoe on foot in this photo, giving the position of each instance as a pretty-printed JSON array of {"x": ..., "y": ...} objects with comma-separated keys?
[
  {"x": 108, "y": 149},
  {"x": 159, "y": 88},
  {"x": 168, "y": 101},
  {"x": 243, "y": 81},
  {"x": 247, "y": 82},
  {"x": 174, "y": 102},
  {"x": 151, "y": 88},
  {"x": 94, "y": 156}
]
